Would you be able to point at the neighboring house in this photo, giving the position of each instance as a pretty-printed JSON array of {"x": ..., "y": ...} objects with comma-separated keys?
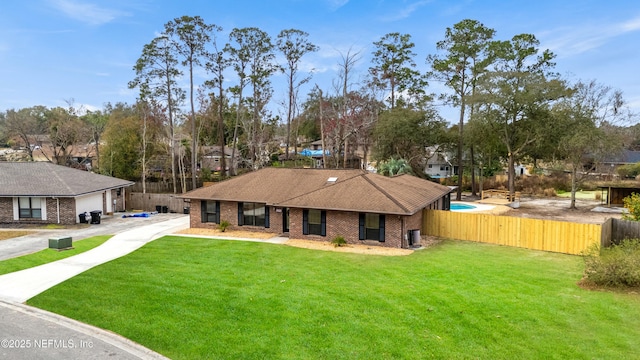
[
  {"x": 611, "y": 163},
  {"x": 320, "y": 204},
  {"x": 212, "y": 156},
  {"x": 439, "y": 164},
  {"x": 44, "y": 193}
]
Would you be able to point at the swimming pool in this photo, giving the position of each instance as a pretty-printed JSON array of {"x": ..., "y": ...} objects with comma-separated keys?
[{"x": 460, "y": 206}]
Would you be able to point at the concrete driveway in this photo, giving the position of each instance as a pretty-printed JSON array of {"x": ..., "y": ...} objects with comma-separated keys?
[{"x": 31, "y": 333}]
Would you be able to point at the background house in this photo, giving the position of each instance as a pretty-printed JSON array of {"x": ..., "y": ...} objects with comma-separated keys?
[
  {"x": 41, "y": 192},
  {"x": 320, "y": 204}
]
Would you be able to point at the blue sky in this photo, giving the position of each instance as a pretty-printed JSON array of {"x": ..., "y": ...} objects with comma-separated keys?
[{"x": 52, "y": 51}]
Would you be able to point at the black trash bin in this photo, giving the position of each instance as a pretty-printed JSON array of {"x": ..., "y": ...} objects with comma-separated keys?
[
  {"x": 185, "y": 210},
  {"x": 95, "y": 216},
  {"x": 83, "y": 218},
  {"x": 165, "y": 209},
  {"x": 158, "y": 209}
]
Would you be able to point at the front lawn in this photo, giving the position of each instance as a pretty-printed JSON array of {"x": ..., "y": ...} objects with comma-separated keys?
[
  {"x": 49, "y": 255},
  {"x": 192, "y": 298}
]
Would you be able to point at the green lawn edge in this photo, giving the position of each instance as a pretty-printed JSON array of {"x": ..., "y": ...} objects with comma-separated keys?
[
  {"x": 50, "y": 255},
  {"x": 190, "y": 298}
]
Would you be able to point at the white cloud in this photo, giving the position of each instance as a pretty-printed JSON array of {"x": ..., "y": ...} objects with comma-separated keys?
[
  {"x": 87, "y": 12},
  {"x": 406, "y": 11},
  {"x": 577, "y": 40},
  {"x": 337, "y": 4}
]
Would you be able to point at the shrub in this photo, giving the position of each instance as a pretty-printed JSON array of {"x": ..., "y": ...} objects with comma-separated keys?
[
  {"x": 338, "y": 241},
  {"x": 224, "y": 224},
  {"x": 616, "y": 266},
  {"x": 632, "y": 203},
  {"x": 551, "y": 192}
]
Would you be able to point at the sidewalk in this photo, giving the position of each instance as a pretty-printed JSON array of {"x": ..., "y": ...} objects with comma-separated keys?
[
  {"x": 25, "y": 284},
  {"x": 31, "y": 333}
]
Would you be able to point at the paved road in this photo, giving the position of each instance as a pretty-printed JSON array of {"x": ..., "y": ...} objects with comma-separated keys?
[{"x": 31, "y": 333}]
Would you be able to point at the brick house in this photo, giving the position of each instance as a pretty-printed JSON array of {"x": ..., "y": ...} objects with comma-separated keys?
[
  {"x": 44, "y": 193},
  {"x": 320, "y": 204}
]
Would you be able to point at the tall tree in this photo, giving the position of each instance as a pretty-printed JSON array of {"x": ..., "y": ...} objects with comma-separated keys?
[
  {"x": 96, "y": 122},
  {"x": 157, "y": 75},
  {"x": 66, "y": 132},
  {"x": 27, "y": 124},
  {"x": 217, "y": 64},
  {"x": 465, "y": 59},
  {"x": 190, "y": 35},
  {"x": 583, "y": 121},
  {"x": 394, "y": 69},
  {"x": 253, "y": 48},
  {"x": 239, "y": 57},
  {"x": 515, "y": 96},
  {"x": 406, "y": 134},
  {"x": 293, "y": 44},
  {"x": 343, "y": 84}
]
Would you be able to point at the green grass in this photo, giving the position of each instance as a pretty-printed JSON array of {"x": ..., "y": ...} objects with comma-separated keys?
[
  {"x": 198, "y": 298},
  {"x": 50, "y": 255},
  {"x": 582, "y": 195}
]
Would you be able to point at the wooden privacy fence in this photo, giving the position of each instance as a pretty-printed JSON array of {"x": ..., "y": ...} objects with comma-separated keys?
[
  {"x": 616, "y": 230},
  {"x": 547, "y": 235},
  {"x": 149, "y": 202}
]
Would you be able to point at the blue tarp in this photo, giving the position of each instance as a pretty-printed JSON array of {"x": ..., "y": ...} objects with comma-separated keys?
[{"x": 313, "y": 153}]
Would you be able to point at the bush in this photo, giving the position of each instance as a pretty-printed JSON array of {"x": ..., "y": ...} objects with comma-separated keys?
[
  {"x": 224, "y": 224},
  {"x": 617, "y": 266},
  {"x": 339, "y": 241},
  {"x": 632, "y": 203}
]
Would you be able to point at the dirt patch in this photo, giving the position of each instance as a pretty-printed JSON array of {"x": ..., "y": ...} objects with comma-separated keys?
[
  {"x": 558, "y": 209},
  {"x": 350, "y": 248},
  {"x": 8, "y": 234},
  {"x": 228, "y": 233}
]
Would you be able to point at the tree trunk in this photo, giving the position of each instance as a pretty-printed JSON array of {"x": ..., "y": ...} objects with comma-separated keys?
[
  {"x": 574, "y": 186},
  {"x": 473, "y": 173},
  {"x": 324, "y": 151},
  {"x": 223, "y": 156},
  {"x": 511, "y": 177}
]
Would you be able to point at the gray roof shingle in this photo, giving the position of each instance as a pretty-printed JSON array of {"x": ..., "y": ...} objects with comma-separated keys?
[{"x": 47, "y": 179}]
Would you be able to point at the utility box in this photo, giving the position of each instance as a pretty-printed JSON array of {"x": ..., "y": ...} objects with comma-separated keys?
[{"x": 60, "y": 243}]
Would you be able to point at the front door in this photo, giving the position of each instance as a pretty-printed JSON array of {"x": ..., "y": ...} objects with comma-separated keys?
[{"x": 285, "y": 220}]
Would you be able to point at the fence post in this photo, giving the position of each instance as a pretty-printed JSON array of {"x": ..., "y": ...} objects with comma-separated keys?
[{"x": 607, "y": 230}]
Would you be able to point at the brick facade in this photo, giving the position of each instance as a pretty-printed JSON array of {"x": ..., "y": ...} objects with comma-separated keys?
[
  {"x": 339, "y": 223},
  {"x": 67, "y": 212}
]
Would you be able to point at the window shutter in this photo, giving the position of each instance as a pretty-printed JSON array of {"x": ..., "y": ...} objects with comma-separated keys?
[
  {"x": 203, "y": 211},
  {"x": 381, "y": 228},
  {"x": 361, "y": 232},
  {"x": 305, "y": 222},
  {"x": 323, "y": 223},
  {"x": 240, "y": 214},
  {"x": 217, "y": 221},
  {"x": 266, "y": 216}
]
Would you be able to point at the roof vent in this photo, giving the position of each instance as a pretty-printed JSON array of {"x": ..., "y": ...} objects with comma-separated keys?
[{"x": 332, "y": 180}]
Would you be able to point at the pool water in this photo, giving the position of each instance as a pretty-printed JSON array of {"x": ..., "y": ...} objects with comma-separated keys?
[{"x": 458, "y": 206}]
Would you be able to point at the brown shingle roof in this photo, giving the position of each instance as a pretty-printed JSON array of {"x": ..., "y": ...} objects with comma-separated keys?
[
  {"x": 46, "y": 179},
  {"x": 354, "y": 190}
]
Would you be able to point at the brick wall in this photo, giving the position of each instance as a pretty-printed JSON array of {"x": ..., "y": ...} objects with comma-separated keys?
[
  {"x": 6, "y": 210},
  {"x": 229, "y": 212},
  {"x": 339, "y": 223},
  {"x": 346, "y": 224},
  {"x": 67, "y": 212}
]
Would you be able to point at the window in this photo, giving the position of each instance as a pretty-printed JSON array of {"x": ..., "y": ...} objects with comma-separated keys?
[
  {"x": 210, "y": 211},
  {"x": 430, "y": 166},
  {"x": 372, "y": 227},
  {"x": 314, "y": 222},
  {"x": 30, "y": 208},
  {"x": 442, "y": 168},
  {"x": 253, "y": 214}
]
